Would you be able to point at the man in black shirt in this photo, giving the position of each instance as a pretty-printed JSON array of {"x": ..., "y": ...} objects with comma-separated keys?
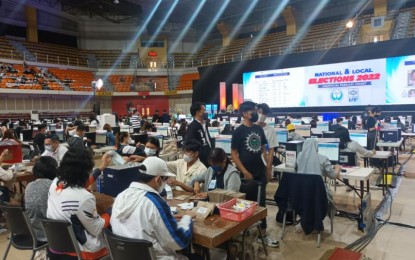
[
  {"x": 165, "y": 118},
  {"x": 77, "y": 140},
  {"x": 198, "y": 130},
  {"x": 248, "y": 146},
  {"x": 156, "y": 117},
  {"x": 371, "y": 124},
  {"x": 39, "y": 138}
]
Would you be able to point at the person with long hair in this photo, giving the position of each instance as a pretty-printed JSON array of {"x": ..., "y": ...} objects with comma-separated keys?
[
  {"x": 93, "y": 121},
  {"x": 69, "y": 200},
  {"x": 123, "y": 141},
  {"x": 10, "y": 137},
  {"x": 151, "y": 148}
]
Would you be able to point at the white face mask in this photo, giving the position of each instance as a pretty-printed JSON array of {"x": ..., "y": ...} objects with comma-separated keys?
[
  {"x": 187, "y": 158},
  {"x": 150, "y": 152},
  {"x": 48, "y": 148},
  {"x": 161, "y": 187},
  {"x": 262, "y": 118}
]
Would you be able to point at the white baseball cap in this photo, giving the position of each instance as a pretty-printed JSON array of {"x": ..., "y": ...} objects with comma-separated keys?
[{"x": 156, "y": 167}]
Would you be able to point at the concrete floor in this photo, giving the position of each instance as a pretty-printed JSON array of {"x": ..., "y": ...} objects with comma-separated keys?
[{"x": 391, "y": 242}]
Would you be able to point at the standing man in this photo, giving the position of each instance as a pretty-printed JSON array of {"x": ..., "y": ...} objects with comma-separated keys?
[
  {"x": 248, "y": 146},
  {"x": 54, "y": 149},
  {"x": 156, "y": 117},
  {"x": 135, "y": 121},
  {"x": 165, "y": 118},
  {"x": 272, "y": 143},
  {"x": 39, "y": 138},
  {"x": 198, "y": 130}
]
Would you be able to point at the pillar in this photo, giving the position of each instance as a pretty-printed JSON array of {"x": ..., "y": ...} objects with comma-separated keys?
[
  {"x": 31, "y": 21},
  {"x": 290, "y": 20}
]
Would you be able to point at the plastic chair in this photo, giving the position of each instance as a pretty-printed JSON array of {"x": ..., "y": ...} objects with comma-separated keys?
[
  {"x": 22, "y": 236},
  {"x": 61, "y": 236},
  {"x": 122, "y": 248},
  {"x": 252, "y": 190}
]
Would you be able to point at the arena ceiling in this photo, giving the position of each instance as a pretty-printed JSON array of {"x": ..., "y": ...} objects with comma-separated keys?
[{"x": 134, "y": 11}]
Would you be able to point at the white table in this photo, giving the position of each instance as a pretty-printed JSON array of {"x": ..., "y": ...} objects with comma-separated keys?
[
  {"x": 360, "y": 174},
  {"x": 384, "y": 156},
  {"x": 282, "y": 168},
  {"x": 393, "y": 146}
]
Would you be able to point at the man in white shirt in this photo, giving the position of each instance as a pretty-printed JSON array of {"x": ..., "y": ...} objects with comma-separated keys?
[
  {"x": 54, "y": 149},
  {"x": 139, "y": 212},
  {"x": 188, "y": 167},
  {"x": 270, "y": 135}
]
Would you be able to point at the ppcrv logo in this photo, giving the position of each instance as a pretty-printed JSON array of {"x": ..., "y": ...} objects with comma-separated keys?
[
  {"x": 353, "y": 94},
  {"x": 336, "y": 95}
]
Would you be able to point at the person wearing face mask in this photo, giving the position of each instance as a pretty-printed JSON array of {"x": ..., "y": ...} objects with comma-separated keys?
[
  {"x": 198, "y": 130},
  {"x": 152, "y": 148},
  {"x": 220, "y": 175},
  {"x": 248, "y": 146},
  {"x": 188, "y": 167},
  {"x": 272, "y": 143},
  {"x": 54, "y": 149},
  {"x": 140, "y": 212}
]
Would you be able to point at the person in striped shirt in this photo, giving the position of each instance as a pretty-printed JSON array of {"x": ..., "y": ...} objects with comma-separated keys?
[{"x": 135, "y": 119}]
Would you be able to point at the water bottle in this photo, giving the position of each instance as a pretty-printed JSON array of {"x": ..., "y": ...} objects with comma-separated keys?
[{"x": 100, "y": 184}]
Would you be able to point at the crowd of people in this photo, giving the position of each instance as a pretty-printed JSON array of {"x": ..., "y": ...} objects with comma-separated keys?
[{"x": 64, "y": 177}]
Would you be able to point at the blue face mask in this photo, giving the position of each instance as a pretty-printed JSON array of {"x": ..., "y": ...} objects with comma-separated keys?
[{"x": 216, "y": 168}]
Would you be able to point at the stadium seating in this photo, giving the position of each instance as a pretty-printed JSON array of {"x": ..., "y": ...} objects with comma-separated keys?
[
  {"x": 76, "y": 79},
  {"x": 186, "y": 81}
]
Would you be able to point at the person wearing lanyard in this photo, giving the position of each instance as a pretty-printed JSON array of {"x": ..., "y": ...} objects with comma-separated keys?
[
  {"x": 220, "y": 175},
  {"x": 54, "y": 149}
]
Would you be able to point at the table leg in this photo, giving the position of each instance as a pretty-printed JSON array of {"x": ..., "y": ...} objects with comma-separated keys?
[
  {"x": 362, "y": 188},
  {"x": 367, "y": 186},
  {"x": 206, "y": 253}
]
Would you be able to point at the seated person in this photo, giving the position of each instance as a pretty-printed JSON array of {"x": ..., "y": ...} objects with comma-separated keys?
[
  {"x": 338, "y": 125},
  {"x": 69, "y": 200},
  {"x": 220, "y": 175},
  {"x": 54, "y": 149},
  {"x": 139, "y": 212},
  {"x": 5, "y": 176},
  {"x": 400, "y": 124},
  {"x": 349, "y": 145},
  {"x": 77, "y": 140},
  {"x": 188, "y": 167},
  {"x": 39, "y": 138},
  {"x": 9, "y": 138},
  {"x": 110, "y": 135},
  {"x": 152, "y": 148},
  {"x": 123, "y": 141},
  {"x": 292, "y": 135},
  {"x": 311, "y": 162},
  {"x": 36, "y": 193}
]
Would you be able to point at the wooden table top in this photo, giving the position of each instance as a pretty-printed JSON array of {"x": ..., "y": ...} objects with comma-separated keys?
[{"x": 214, "y": 230}]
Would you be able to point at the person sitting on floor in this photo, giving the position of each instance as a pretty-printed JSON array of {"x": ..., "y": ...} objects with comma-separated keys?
[
  {"x": 188, "y": 167},
  {"x": 139, "y": 212},
  {"x": 36, "y": 193},
  {"x": 220, "y": 175},
  {"x": 70, "y": 201}
]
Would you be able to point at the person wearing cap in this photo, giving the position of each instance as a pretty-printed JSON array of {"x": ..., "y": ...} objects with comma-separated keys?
[
  {"x": 248, "y": 146},
  {"x": 292, "y": 135},
  {"x": 140, "y": 213},
  {"x": 54, "y": 149}
]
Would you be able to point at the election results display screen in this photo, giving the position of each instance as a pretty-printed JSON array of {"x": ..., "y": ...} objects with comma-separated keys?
[{"x": 376, "y": 82}]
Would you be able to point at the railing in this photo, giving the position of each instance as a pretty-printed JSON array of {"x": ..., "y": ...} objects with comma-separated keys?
[{"x": 191, "y": 62}]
